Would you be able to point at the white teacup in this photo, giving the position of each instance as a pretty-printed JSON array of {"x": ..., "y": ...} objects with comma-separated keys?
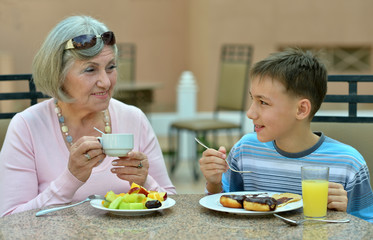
[{"x": 117, "y": 144}]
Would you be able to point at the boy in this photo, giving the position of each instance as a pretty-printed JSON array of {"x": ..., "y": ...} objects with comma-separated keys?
[{"x": 287, "y": 89}]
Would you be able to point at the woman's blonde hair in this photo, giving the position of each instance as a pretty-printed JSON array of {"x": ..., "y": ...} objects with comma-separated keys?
[{"x": 52, "y": 62}]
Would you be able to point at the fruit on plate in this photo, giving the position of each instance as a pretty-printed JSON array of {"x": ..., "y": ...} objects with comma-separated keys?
[
  {"x": 110, "y": 196},
  {"x": 137, "y": 197},
  {"x": 157, "y": 196},
  {"x": 115, "y": 204},
  {"x": 153, "y": 204},
  {"x": 138, "y": 189}
]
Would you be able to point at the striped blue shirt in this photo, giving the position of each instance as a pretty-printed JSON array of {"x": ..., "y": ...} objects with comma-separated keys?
[{"x": 274, "y": 170}]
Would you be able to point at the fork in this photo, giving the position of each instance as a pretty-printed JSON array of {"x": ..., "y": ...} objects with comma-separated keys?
[
  {"x": 234, "y": 170},
  {"x": 299, "y": 222}
]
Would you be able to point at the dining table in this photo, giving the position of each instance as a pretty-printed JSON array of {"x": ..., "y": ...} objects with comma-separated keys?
[{"x": 186, "y": 219}]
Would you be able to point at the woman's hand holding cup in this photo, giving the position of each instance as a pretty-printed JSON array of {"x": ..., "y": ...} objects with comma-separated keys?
[
  {"x": 133, "y": 168},
  {"x": 85, "y": 154},
  {"x": 130, "y": 166}
]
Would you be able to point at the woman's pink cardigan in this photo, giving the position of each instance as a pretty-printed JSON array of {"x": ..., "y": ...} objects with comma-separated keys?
[{"x": 34, "y": 157}]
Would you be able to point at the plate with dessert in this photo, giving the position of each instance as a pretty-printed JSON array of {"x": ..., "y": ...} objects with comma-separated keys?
[{"x": 252, "y": 203}]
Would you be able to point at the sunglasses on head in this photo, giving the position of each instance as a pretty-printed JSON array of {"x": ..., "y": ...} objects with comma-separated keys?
[{"x": 89, "y": 40}]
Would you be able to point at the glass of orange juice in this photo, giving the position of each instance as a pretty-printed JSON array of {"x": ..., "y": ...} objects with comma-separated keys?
[{"x": 315, "y": 182}]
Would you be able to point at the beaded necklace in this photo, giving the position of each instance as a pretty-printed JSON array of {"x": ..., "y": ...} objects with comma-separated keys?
[{"x": 65, "y": 129}]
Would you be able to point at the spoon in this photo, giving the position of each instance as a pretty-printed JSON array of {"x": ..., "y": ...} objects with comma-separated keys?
[
  {"x": 234, "y": 170},
  {"x": 89, "y": 198},
  {"x": 98, "y": 130},
  {"x": 299, "y": 222}
]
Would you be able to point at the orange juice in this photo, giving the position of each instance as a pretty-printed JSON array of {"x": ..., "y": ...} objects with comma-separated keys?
[{"x": 315, "y": 198}]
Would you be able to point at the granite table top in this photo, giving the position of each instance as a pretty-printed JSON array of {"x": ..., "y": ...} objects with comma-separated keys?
[{"x": 187, "y": 219}]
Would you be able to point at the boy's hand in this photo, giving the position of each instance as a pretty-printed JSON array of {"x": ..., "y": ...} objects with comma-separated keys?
[
  {"x": 213, "y": 165},
  {"x": 337, "y": 197}
]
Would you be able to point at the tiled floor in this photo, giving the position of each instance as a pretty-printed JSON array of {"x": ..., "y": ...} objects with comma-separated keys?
[
  {"x": 183, "y": 178},
  {"x": 184, "y": 181}
]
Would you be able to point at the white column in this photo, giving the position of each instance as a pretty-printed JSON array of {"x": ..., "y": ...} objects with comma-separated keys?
[{"x": 186, "y": 109}]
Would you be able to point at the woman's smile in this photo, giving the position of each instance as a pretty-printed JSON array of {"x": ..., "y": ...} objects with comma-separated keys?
[{"x": 101, "y": 95}]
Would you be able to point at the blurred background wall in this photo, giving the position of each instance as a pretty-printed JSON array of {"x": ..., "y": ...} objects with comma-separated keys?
[{"x": 172, "y": 36}]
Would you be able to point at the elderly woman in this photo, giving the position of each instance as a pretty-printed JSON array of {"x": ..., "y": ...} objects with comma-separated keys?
[{"x": 51, "y": 154}]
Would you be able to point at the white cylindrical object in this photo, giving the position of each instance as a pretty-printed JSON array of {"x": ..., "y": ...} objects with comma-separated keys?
[
  {"x": 186, "y": 109},
  {"x": 187, "y": 95}
]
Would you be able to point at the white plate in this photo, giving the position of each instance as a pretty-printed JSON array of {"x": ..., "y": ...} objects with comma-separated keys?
[
  {"x": 213, "y": 202},
  {"x": 97, "y": 203}
]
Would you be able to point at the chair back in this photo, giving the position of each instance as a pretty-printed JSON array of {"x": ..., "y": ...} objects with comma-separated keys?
[
  {"x": 354, "y": 129},
  {"x": 352, "y": 99},
  {"x": 235, "y": 62},
  {"x": 126, "y": 62},
  {"x": 13, "y": 81},
  {"x": 13, "y": 100}
]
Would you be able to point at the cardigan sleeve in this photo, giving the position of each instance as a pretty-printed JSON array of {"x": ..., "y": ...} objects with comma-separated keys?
[{"x": 19, "y": 175}]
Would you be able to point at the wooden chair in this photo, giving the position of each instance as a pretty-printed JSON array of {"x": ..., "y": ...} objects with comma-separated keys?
[
  {"x": 20, "y": 99},
  {"x": 127, "y": 90},
  {"x": 232, "y": 93},
  {"x": 126, "y": 62},
  {"x": 352, "y": 128}
]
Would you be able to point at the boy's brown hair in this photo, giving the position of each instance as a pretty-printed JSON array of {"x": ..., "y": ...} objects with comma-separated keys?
[{"x": 302, "y": 73}]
